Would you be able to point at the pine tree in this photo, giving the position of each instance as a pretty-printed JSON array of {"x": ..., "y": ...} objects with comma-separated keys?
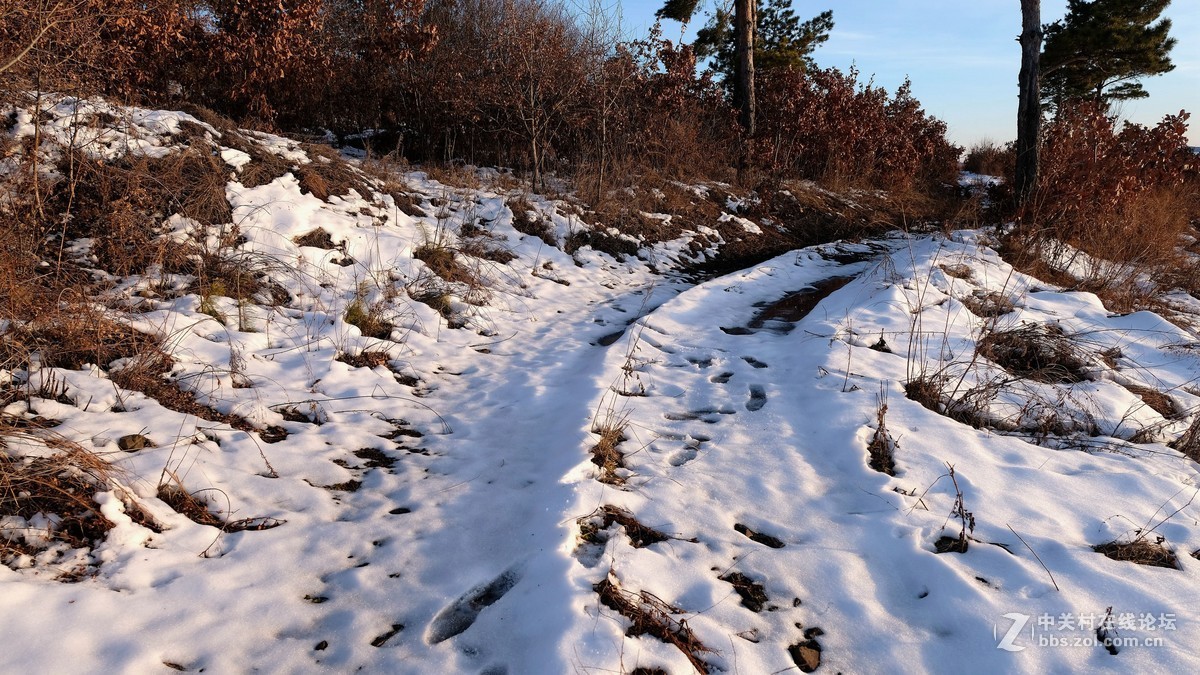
[
  {"x": 679, "y": 10},
  {"x": 1101, "y": 48},
  {"x": 781, "y": 39}
]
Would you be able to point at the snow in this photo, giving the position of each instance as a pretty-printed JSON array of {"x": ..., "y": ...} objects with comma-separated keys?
[{"x": 470, "y": 541}]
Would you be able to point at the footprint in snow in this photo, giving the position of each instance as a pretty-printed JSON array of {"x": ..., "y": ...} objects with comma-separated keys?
[
  {"x": 462, "y": 613},
  {"x": 754, "y": 362},
  {"x": 682, "y": 457},
  {"x": 758, "y": 398}
]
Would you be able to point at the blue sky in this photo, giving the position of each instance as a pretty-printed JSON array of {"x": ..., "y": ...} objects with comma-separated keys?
[{"x": 962, "y": 57}]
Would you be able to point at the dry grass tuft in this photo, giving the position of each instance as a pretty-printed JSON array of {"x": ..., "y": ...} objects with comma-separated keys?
[
  {"x": 72, "y": 338},
  {"x": 264, "y": 166},
  {"x": 441, "y": 259},
  {"x": 188, "y": 504},
  {"x": 618, "y": 247},
  {"x": 1042, "y": 353},
  {"x": 527, "y": 220},
  {"x": 988, "y": 304},
  {"x": 1157, "y": 401},
  {"x": 317, "y": 238},
  {"x": 882, "y": 448},
  {"x": 53, "y": 494},
  {"x": 1140, "y": 551},
  {"x": 1189, "y": 442},
  {"x": 649, "y": 615},
  {"x": 329, "y": 175},
  {"x": 196, "y": 509},
  {"x": 958, "y": 271},
  {"x": 592, "y": 526},
  {"x": 369, "y": 320},
  {"x": 365, "y": 359},
  {"x": 605, "y": 453}
]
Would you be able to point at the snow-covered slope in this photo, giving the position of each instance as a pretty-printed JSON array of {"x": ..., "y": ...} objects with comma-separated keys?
[{"x": 610, "y": 466}]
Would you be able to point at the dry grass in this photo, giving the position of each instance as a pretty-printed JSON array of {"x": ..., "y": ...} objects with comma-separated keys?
[
  {"x": 958, "y": 271},
  {"x": 330, "y": 175},
  {"x": 264, "y": 166},
  {"x": 1042, "y": 353},
  {"x": 1189, "y": 442},
  {"x": 369, "y": 319},
  {"x": 882, "y": 447},
  {"x": 594, "y": 524},
  {"x": 606, "y": 453},
  {"x": 618, "y": 247},
  {"x": 988, "y": 304},
  {"x": 1157, "y": 401},
  {"x": 197, "y": 510},
  {"x": 527, "y": 220},
  {"x": 1140, "y": 551},
  {"x": 365, "y": 359},
  {"x": 317, "y": 238},
  {"x": 649, "y": 615},
  {"x": 71, "y": 337},
  {"x": 59, "y": 488},
  {"x": 442, "y": 261}
]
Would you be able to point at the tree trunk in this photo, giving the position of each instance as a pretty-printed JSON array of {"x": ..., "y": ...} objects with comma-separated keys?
[
  {"x": 743, "y": 26},
  {"x": 1029, "y": 108}
]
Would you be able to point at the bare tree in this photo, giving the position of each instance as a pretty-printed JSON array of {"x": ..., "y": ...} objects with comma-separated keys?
[{"x": 1029, "y": 112}]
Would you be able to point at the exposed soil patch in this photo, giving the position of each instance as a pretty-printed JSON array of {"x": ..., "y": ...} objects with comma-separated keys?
[
  {"x": 806, "y": 654},
  {"x": 375, "y": 458},
  {"x": 610, "y": 339},
  {"x": 754, "y": 596},
  {"x": 764, "y": 539},
  {"x": 345, "y": 486},
  {"x": 949, "y": 544},
  {"x": 754, "y": 362},
  {"x": 382, "y": 638},
  {"x": 798, "y": 304}
]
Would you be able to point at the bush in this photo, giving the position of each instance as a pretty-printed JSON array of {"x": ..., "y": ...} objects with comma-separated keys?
[
  {"x": 988, "y": 159},
  {"x": 1122, "y": 197},
  {"x": 824, "y": 125}
]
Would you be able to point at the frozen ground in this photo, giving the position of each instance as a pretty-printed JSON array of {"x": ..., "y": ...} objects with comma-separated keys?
[{"x": 443, "y": 513}]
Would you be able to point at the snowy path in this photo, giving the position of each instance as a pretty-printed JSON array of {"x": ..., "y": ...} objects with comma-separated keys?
[{"x": 439, "y": 510}]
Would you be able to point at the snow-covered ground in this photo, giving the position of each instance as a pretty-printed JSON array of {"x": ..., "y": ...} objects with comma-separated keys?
[{"x": 443, "y": 512}]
